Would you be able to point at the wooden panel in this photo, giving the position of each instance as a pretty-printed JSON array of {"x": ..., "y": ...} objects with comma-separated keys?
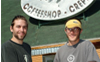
[
  {"x": 98, "y": 51},
  {"x": 37, "y": 58},
  {"x": 48, "y": 46},
  {"x": 95, "y": 40},
  {"x": 97, "y": 44}
]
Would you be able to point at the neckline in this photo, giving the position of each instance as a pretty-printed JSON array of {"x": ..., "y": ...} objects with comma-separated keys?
[
  {"x": 16, "y": 43},
  {"x": 74, "y": 46}
]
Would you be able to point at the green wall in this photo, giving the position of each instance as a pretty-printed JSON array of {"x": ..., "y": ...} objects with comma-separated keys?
[{"x": 48, "y": 32}]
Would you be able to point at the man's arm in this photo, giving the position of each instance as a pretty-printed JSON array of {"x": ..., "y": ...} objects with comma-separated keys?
[
  {"x": 8, "y": 54},
  {"x": 92, "y": 54}
]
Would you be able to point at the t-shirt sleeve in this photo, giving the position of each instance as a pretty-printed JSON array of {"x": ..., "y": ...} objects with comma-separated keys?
[
  {"x": 92, "y": 54},
  {"x": 56, "y": 59},
  {"x": 8, "y": 54}
]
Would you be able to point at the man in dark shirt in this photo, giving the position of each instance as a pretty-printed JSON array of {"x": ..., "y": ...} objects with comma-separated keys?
[{"x": 15, "y": 50}]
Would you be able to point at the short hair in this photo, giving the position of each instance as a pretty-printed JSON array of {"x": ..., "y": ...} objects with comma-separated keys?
[{"x": 18, "y": 17}]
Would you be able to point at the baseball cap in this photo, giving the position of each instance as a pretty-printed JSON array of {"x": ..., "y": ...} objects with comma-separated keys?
[{"x": 73, "y": 23}]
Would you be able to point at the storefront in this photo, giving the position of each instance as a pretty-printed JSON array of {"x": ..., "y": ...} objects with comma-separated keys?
[{"x": 46, "y": 26}]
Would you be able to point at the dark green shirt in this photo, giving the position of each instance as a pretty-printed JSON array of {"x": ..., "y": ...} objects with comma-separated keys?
[{"x": 13, "y": 52}]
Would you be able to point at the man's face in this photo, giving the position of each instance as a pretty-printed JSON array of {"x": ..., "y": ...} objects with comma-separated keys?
[
  {"x": 73, "y": 34},
  {"x": 19, "y": 29}
]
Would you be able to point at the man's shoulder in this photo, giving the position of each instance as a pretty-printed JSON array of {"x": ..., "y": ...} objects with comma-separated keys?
[
  {"x": 7, "y": 44},
  {"x": 85, "y": 42}
]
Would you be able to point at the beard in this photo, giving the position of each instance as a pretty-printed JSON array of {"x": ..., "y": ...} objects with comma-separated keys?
[{"x": 20, "y": 37}]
